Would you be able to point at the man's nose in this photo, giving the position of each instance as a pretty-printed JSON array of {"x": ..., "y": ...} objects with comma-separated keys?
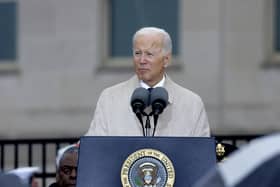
[
  {"x": 143, "y": 58},
  {"x": 73, "y": 173}
]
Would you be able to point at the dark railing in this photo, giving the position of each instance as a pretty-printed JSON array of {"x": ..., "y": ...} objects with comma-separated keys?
[
  {"x": 32, "y": 152},
  {"x": 42, "y": 153},
  {"x": 236, "y": 140}
]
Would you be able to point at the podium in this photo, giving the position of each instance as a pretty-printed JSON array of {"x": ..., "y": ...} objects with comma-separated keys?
[{"x": 115, "y": 161}]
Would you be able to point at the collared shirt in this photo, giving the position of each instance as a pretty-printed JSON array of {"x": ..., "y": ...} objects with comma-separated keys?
[{"x": 159, "y": 84}]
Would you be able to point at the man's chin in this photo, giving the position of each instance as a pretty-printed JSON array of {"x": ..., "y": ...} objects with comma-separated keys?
[
  {"x": 143, "y": 77},
  {"x": 71, "y": 185}
]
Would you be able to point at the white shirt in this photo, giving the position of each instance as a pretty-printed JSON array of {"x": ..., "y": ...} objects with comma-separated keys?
[{"x": 159, "y": 84}]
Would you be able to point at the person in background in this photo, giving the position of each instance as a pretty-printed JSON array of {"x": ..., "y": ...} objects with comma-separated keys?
[
  {"x": 26, "y": 175},
  {"x": 224, "y": 150},
  {"x": 11, "y": 180},
  {"x": 66, "y": 166},
  {"x": 184, "y": 114},
  {"x": 254, "y": 164}
]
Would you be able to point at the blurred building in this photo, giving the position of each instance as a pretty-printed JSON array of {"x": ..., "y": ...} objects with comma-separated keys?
[{"x": 66, "y": 51}]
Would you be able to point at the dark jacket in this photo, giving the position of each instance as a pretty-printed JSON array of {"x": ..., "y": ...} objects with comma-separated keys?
[{"x": 54, "y": 185}]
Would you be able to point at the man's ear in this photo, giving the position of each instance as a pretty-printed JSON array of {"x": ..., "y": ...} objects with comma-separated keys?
[
  {"x": 166, "y": 60},
  {"x": 57, "y": 175}
]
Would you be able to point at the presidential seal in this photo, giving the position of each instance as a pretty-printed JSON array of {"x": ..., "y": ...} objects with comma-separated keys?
[{"x": 147, "y": 168}]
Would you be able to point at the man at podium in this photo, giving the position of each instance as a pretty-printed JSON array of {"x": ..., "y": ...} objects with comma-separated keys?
[{"x": 149, "y": 103}]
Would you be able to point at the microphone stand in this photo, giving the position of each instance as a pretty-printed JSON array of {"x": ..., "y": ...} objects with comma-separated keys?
[
  {"x": 155, "y": 123},
  {"x": 148, "y": 124},
  {"x": 141, "y": 121},
  {"x": 139, "y": 116}
]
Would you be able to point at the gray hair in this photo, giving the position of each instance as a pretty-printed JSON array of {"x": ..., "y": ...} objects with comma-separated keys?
[
  {"x": 167, "y": 42},
  {"x": 73, "y": 148}
]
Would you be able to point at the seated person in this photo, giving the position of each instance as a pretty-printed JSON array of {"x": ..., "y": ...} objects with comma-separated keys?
[{"x": 66, "y": 166}]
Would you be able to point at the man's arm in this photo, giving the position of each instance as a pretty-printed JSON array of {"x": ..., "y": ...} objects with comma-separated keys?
[
  {"x": 201, "y": 120},
  {"x": 98, "y": 125}
]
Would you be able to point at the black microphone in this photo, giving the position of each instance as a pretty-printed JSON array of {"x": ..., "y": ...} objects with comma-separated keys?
[
  {"x": 158, "y": 99},
  {"x": 139, "y": 101}
]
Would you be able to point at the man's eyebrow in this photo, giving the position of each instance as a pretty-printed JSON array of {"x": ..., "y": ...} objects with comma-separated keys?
[{"x": 69, "y": 166}]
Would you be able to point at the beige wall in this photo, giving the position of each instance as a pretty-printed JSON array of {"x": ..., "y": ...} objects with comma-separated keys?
[{"x": 224, "y": 43}]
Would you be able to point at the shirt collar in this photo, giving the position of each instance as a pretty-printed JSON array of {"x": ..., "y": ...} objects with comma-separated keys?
[
  {"x": 166, "y": 83},
  {"x": 159, "y": 84}
]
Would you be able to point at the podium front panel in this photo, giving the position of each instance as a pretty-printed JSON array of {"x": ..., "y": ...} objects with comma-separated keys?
[{"x": 101, "y": 158}]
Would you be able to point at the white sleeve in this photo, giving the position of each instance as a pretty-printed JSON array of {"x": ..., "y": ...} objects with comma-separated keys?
[
  {"x": 98, "y": 126},
  {"x": 201, "y": 120}
]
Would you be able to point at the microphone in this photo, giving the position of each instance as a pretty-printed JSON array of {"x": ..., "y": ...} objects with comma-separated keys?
[
  {"x": 159, "y": 99},
  {"x": 139, "y": 101}
]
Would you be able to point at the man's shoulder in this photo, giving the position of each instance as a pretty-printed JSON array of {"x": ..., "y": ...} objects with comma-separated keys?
[{"x": 120, "y": 87}]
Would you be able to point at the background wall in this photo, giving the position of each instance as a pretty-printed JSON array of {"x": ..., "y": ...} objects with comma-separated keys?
[{"x": 223, "y": 46}]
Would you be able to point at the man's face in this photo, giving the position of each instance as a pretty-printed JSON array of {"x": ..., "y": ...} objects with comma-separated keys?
[
  {"x": 34, "y": 182},
  {"x": 149, "y": 60},
  {"x": 67, "y": 172}
]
